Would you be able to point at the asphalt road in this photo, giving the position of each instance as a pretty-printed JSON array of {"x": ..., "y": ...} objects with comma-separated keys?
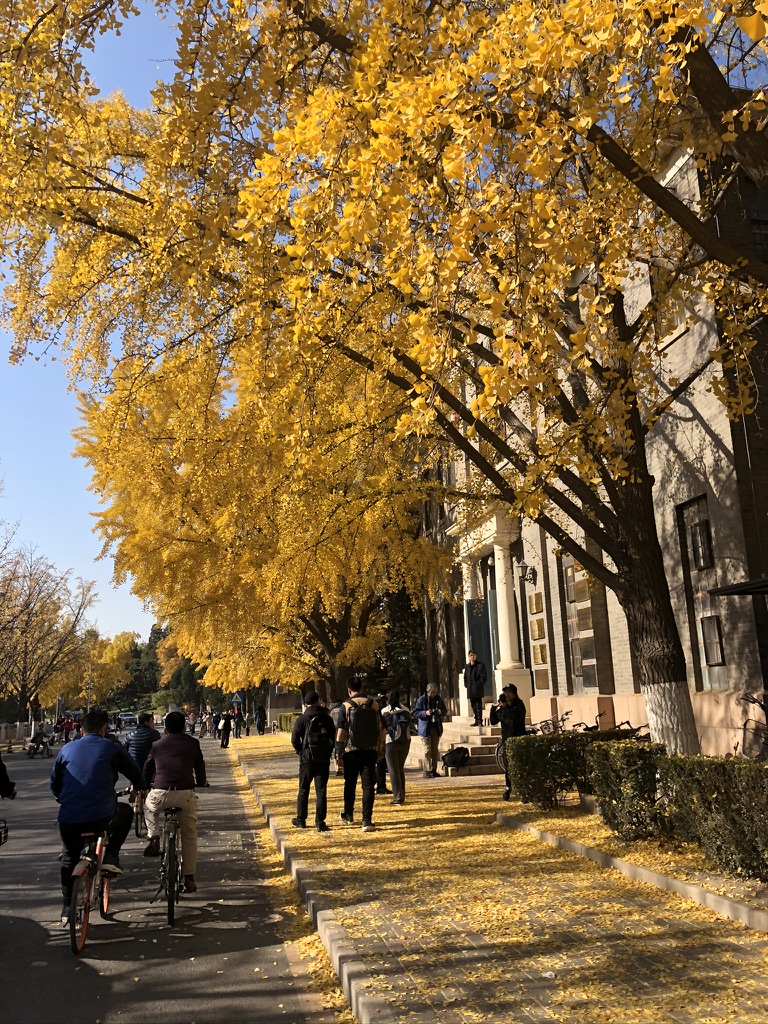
[{"x": 224, "y": 960}]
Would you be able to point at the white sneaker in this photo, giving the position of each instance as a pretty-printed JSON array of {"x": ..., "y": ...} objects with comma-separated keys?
[{"x": 368, "y": 826}]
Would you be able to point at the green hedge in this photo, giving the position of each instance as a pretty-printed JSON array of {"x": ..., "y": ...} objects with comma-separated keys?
[
  {"x": 624, "y": 781},
  {"x": 721, "y": 804},
  {"x": 285, "y": 721},
  {"x": 543, "y": 768}
]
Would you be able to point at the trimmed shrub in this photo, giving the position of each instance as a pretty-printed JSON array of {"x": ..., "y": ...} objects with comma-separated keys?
[
  {"x": 624, "y": 781},
  {"x": 285, "y": 721},
  {"x": 543, "y": 768},
  {"x": 721, "y": 804}
]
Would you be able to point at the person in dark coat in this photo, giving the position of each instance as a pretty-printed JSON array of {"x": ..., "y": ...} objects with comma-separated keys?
[
  {"x": 509, "y": 712},
  {"x": 261, "y": 719},
  {"x": 313, "y": 738},
  {"x": 225, "y": 728},
  {"x": 475, "y": 678},
  {"x": 429, "y": 711}
]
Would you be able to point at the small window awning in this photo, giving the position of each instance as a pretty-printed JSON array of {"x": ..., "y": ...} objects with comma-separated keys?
[{"x": 747, "y": 587}]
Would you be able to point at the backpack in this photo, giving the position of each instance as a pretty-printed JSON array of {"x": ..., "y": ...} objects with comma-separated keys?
[
  {"x": 363, "y": 725},
  {"x": 318, "y": 742},
  {"x": 457, "y": 757},
  {"x": 399, "y": 725}
]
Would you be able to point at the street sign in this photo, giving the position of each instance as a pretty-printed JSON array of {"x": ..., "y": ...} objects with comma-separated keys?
[{"x": 237, "y": 698}]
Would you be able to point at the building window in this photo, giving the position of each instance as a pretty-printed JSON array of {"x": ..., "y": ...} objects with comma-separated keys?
[
  {"x": 712, "y": 639},
  {"x": 701, "y": 545},
  {"x": 698, "y": 557},
  {"x": 578, "y": 617}
]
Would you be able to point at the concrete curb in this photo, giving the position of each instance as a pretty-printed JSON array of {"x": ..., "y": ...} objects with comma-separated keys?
[
  {"x": 354, "y": 977},
  {"x": 734, "y": 910}
]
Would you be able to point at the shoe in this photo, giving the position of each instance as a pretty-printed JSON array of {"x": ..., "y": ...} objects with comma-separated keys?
[
  {"x": 153, "y": 850},
  {"x": 433, "y": 775},
  {"x": 397, "y": 803},
  {"x": 427, "y": 775},
  {"x": 346, "y": 818},
  {"x": 322, "y": 827},
  {"x": 388, "y": 792},
  {"x": 298, "y": 823},
  {"x": 506, "y": 795},
  {"x": 65, "y": 915},
  {"x": 190, "y": 885},
  {"x": 111, "y": 863},
  {"x": 368, "y": 826}
]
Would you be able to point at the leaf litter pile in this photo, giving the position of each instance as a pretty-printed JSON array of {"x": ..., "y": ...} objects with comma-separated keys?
[{"x": 460, "y": 919}]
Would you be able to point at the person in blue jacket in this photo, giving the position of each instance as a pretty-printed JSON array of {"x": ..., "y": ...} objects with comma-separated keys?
[
  {"x": 83, "y": 781},
  {"x": 429, "y": 712}
]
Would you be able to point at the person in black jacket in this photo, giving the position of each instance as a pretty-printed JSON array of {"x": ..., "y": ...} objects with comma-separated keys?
[
  {"x": 313, "y": 738},
  {"x": 7, "y": 788},
  {"x": 510, "y": 713},
  {"x": 139, "y": 742},
  {"x": 475, "y": 677}
]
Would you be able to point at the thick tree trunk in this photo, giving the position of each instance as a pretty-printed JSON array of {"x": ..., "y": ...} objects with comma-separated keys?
[{"x": 655, "y": 643}]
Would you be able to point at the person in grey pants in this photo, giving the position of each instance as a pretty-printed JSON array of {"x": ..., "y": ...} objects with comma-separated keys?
[{"x": 397, "y": 722}]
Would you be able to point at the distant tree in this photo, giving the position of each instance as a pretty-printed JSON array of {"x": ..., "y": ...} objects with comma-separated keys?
[{"x": 403, "y": 663}]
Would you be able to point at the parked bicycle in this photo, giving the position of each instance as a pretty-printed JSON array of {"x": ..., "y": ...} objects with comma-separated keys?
[
  {"x": 90, "y": 888},
  {"x": 762, "y": 753},
  {"x": 634, "y": 732},
  {"x": 170, "y": 863},
  {"x": 589, "y": 728},
  {"x": 554, "y": 724}
]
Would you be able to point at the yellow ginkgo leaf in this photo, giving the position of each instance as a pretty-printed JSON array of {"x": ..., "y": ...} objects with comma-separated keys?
[{"x": 753, "y": 25}]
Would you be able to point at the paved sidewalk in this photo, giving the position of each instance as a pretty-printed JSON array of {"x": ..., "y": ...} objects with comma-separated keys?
[{"x": 443, "y": 915}]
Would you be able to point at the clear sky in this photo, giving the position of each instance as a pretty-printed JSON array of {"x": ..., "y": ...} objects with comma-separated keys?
[{"x": 44, "y": 490}]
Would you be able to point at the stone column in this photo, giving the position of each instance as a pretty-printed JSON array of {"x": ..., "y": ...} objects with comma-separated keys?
[
  {"x": 470, "y": 591},
  {"x": 510, "y": 669}
]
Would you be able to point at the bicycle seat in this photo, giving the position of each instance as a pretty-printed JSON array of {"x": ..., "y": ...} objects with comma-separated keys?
[{"x": 171, "y": 810}]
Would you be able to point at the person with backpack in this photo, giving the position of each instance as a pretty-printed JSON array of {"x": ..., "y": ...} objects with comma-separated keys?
[
  {"x": 429, "y": 712},
  {"x": 381, "y": 764},
  {"x": 509, "y": 712},
  {"x": 313, "y": 738},
  {"x": 361, "y": 738},
  {"x": 397, "y": 722}
]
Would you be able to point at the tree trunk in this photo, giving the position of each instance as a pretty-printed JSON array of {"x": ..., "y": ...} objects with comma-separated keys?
[{"x": 658, "y": 653}]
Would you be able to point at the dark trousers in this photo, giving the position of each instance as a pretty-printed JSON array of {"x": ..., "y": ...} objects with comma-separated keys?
[
  {"x": 309, "y": 772},
  {"x": 225, "y": 739},
  {"x": 396, "y": 755},
  {"x": 381, "y": 775},
  {"x": 118, "y": 827},
  {"x": 477, "y": 707},
  {"x": 362, "y": 763}
]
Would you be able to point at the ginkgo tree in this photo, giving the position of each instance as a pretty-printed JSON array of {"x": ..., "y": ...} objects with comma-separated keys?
[
  {"x": 267, "y": 561},
  {"x": 448, "y": 198}
]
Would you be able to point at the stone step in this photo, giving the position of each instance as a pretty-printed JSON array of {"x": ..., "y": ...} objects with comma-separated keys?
[{"x": 475, "y": 769}]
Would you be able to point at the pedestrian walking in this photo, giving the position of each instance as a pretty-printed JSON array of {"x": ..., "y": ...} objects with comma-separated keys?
[
  {"x": 225, "y": 728},
  {"x": 237, "y": 722},
  {"x": 381, "y": 764},
  {"x": 261, "y": 719},
  {"x": 475, "y": 678},
  {"x": 429, "y": 712},
  {"x": 361, "y": 738},
  {"x": 215, "y": 723},
  {"x": 313, "y": 738},
  {"x": 397, "y": 722}
]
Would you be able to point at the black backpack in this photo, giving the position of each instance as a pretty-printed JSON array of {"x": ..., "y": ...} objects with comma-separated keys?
[
  {"x": 318, "y": 741},
  {"x": 457, "y": 757},
  {"x": 363, "y": 725}
]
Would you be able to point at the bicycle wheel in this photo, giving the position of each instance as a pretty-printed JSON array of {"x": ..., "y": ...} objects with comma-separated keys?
[
  {"x": 47, "y": 752},
  {"x": 105, "y": 884},
  {"x": 500, "y": 759},
  {"x": 139, "y": 821},
  {"x": 79, "y": 911},
  {"x": 171, "y": 877}
]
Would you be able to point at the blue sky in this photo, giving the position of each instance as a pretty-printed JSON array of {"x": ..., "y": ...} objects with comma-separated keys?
[{"x": 44, "y": 492}]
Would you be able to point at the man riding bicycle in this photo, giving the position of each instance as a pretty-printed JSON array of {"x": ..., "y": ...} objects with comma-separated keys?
[
  {"x": 174, "y": 767},
  {"x": 83, "y": 781}
]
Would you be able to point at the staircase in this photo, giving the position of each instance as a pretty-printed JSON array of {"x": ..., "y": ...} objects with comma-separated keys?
[{"x": 458, "y": 732}]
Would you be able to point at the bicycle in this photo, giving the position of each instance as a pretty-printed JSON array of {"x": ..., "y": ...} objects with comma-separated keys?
[
  {"x": 554, "y": 724},
  {"x": 589, "y": 728},
  {"x": 86, "y": 893},
  {"x": 170, "y": 863},
  {"x": 139, "y": 820},
  {"x": 762, "y": 754},
  {"x": 633, "y": 731},
  {"x": 41, "y": 747}
]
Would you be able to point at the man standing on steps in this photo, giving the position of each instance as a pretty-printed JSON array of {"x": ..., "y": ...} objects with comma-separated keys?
[
  {"x": 361, "y": 739},
  {"x": 475, "y": 677}
]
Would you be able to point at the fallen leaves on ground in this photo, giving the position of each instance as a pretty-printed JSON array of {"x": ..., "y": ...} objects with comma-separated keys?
[{"x": 458, "y": 918}]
